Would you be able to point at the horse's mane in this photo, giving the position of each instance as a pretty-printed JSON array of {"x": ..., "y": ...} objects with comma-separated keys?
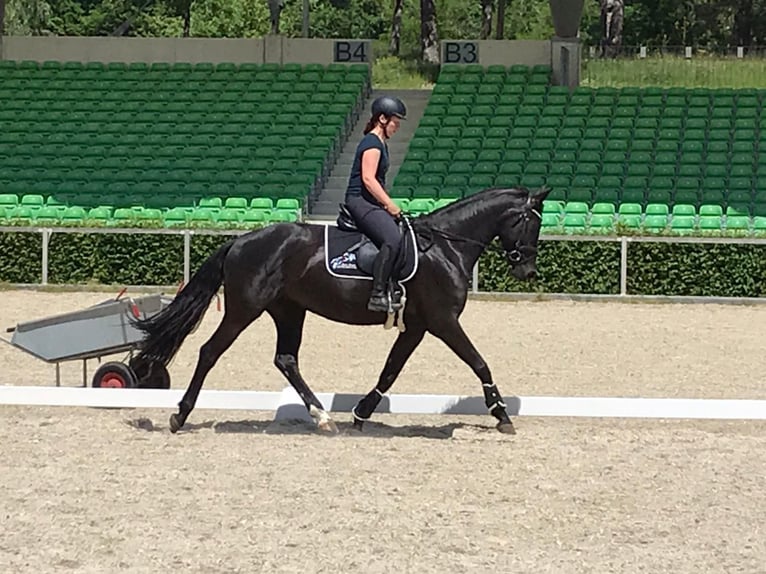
[{"x": 471, "y": 205}]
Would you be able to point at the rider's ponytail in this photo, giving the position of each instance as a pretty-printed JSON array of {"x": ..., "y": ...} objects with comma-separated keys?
[{"x": 370, "y": 125}]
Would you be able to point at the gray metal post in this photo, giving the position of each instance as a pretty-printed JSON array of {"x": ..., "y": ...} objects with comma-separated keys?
[
  {"x": 187, "y": 256},
  {"x": 46, "y": 238},
  {"x": 623, "y": 266},
  {"x": 475, "y": 278}
]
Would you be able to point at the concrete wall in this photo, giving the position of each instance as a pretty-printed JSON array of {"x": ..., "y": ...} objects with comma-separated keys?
[
  {"x": 496, "y": 52},
  {"x": 257, "y": 50},
  {"x": 526, "y": 52}
]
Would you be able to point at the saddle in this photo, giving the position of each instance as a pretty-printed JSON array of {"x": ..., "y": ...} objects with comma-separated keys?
[{"x": 350, "y": 254}]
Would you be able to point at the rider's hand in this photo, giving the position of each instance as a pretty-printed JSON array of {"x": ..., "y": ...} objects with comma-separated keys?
[{"x": 394, "y": 210}]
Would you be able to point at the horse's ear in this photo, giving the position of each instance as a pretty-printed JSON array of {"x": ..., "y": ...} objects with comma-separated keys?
[{"x": 537, "y": 197}]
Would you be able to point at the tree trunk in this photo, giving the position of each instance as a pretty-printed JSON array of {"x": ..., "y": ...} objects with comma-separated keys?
[
  {"x": 500, "y": 30},
  {"x": 486, "y": 19},
  {"x": 2, "y": 18},
  {"x": 396, "y": 29},
  {"x": 275, "y": 9},
  {"x": 743, "y": 24},
  {"x": 187, "y": 19},
  {"x": 612, "y": 12},
  {"x": 429, "y": 38}
]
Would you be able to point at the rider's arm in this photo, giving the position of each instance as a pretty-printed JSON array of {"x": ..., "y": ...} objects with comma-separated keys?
[{"x": 370, "y": 159}]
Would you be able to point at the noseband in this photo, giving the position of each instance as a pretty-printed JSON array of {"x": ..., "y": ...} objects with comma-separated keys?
[{"x": 520, "y": 254}]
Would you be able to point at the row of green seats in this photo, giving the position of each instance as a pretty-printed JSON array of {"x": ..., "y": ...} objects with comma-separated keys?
[
  {"x": 211, "y": 202},
  {"x": 28, "y": 64},
  {"x": 419, "y": 206},
  {"x": 30, "y": 68},
  {"x": 490, "y": 108},
  {"x": 565, "y": 159},
  {"x": 256, "y": 125},
  {"x": 102, "y": 216},
  {"x": 140, "y": 91},
  {"x": 560, "y": 208},
  {"x": 577, "y": 224}
]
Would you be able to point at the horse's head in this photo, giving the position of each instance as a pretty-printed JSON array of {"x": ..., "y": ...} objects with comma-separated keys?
[{"x": 519, "y": 232}]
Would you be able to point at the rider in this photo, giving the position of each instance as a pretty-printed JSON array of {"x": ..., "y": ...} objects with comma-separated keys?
[{"x": 371, "y": 207}]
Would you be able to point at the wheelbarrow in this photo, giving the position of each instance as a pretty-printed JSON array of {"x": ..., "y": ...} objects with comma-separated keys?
[{"x": 92, "y": 333}]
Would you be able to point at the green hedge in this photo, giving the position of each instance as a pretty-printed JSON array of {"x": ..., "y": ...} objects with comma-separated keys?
[
  {"x": 722, "y": 270},
  {"x": 563, "y": 266}
]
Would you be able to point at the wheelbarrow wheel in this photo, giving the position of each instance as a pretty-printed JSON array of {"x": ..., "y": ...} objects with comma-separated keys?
[
  {"x": 114, "y": 375},
  {"x": 154, "y": 377}
]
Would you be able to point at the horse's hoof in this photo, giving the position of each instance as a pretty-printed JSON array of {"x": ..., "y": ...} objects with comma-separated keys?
[
  {"x": 358, "y": 425},
  {"x": 506, "y": 427},
  {"x": 327, "y": 426},
  {"x": 175, "y": 423}
]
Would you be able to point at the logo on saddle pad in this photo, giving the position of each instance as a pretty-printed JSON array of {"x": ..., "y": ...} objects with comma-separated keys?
[{"x": 345, "y": 261}]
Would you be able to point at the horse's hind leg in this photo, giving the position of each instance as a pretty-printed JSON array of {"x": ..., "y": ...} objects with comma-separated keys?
[
  {"x": 289, "y": 319},
  {"x": 403, "y": 348},
  {"x": 231, "y": 326}
]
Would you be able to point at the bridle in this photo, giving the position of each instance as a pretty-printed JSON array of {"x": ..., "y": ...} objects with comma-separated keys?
[{"x": 517, "y": 255}]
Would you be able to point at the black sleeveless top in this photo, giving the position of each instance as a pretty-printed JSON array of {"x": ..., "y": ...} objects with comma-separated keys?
[{"x": 356, "y": 186}]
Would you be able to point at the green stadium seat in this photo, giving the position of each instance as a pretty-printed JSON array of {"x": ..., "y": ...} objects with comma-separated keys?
[
  {"x": 630, "y": 221},
  {"x": 419, "y": 206},
  {"x": 710, "y": 211},
  {"x": 656, "y": 209},
  {"x": 738, "y": 223},
  {"x": 630, "y": 209},
  {"x": 574, "y": 223},
  {"x": 600, "y": 208},
  {"x": 684, "y": 209},
  {"x": 655, "y": 223},
  {"x": 8, "y": 199},
  {"x": 602, "y": 223},
  {"x": 46, "y": 215},
  {"x": 682, "y": 225}
]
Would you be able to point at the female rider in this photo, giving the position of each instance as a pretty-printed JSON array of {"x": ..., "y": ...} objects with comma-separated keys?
[{"x": 371, "y": 207}]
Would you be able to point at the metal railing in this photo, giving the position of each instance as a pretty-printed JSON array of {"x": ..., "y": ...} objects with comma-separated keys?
[{"x": 187, "y": 234}]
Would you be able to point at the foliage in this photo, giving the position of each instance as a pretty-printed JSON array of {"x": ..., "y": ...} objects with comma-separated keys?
[
  {"x": 20, "y": 257},
  {"x": 654, "y": 268},
  {"x": 563, "y": 267},
  {"x": 725, "y": 270}
]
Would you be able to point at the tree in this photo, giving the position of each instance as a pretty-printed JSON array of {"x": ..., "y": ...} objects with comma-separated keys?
[
  {"x": 486, "y": 18},
  {"x": 275, "y": 9},
  {"x": 429, "y": 38},
  {"x": 182, "y": 8},
  {"x": 25, "y": 17},
  {"x": 500, "y": 29},
  {"x": 612, "y": 14},
  {"x": 396, "y": 29}
]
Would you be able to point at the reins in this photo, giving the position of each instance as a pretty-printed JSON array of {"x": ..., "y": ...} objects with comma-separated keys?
[{"x": 515, "y": 255}]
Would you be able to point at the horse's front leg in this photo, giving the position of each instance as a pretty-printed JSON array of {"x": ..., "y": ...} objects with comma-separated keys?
[
  {"x": 455, "y": 338},
  {"x": 403, "y": 347}
]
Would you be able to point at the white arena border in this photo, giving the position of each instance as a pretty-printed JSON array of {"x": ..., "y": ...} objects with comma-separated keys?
[{"x": 287, "y": 404}]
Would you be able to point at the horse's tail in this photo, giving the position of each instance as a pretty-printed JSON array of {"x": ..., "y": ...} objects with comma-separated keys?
[{"x": 166, "y": 331}]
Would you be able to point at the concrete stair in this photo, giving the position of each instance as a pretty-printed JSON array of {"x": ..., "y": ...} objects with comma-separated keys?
[{"x": 326, "y": 204}]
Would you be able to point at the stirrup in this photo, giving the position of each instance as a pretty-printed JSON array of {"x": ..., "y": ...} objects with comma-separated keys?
[{"x": 379, "y": 303}]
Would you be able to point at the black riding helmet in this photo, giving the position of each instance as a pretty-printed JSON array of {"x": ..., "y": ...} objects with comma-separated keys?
[{"x": 389, "y": 106}]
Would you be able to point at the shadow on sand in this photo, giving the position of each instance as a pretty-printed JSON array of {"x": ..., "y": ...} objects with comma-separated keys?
[{"x": 298, "y": 427}]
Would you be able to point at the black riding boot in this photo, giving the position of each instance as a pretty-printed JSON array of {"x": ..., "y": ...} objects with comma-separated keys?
[{"x": 381, "y": 269}]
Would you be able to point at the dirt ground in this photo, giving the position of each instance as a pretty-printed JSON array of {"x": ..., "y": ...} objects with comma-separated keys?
[{"x": 100, "y": 490}]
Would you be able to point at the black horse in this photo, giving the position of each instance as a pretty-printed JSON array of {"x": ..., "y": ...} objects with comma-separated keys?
[{"x": 282, "y": 269}]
